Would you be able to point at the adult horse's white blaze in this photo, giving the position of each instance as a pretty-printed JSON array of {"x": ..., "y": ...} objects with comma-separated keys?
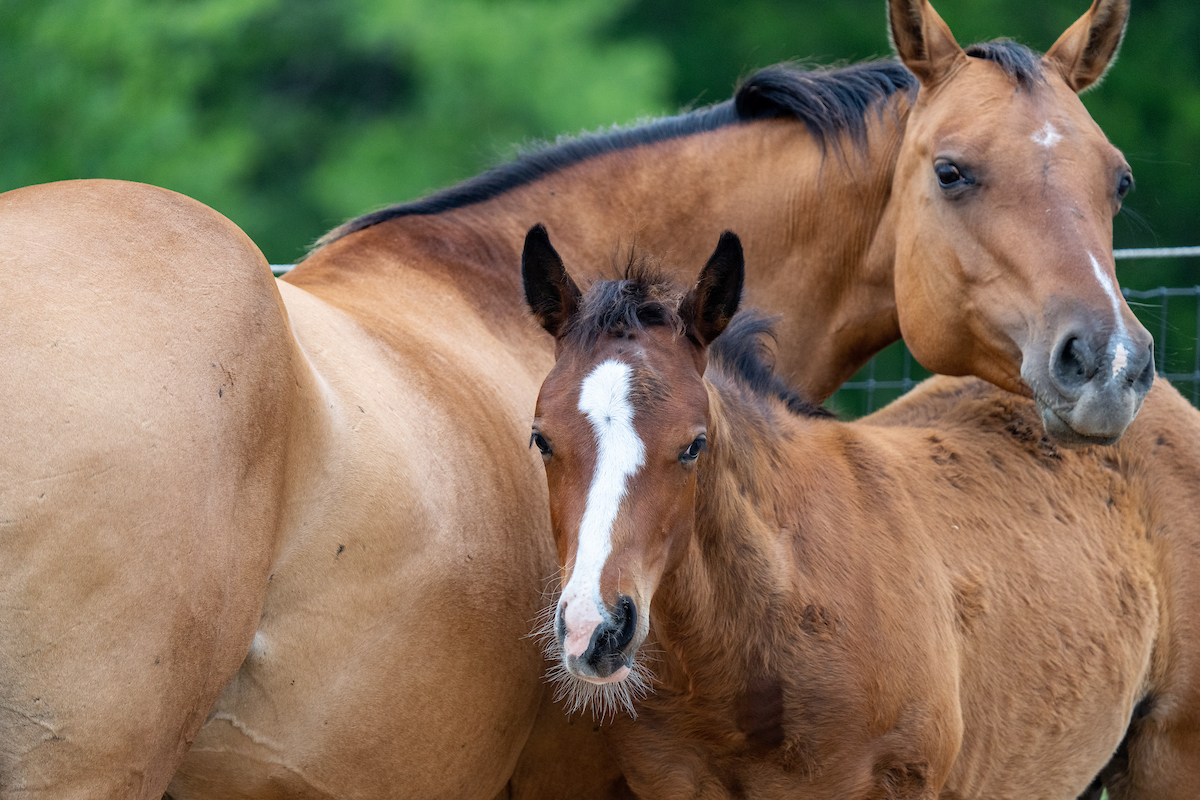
[
  {"x": 604, "y": 399},
  {"x": 1120, "y": 356}
]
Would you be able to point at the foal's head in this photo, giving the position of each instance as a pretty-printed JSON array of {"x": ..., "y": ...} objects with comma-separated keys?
[
  {"x": 1005, "y": 191},
  {"x": 625, "y": 402}
]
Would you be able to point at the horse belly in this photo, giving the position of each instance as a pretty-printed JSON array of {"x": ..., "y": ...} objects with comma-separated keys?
[
  {"x": 145, "y": 355},
  {"x": 391, "y": 658}
]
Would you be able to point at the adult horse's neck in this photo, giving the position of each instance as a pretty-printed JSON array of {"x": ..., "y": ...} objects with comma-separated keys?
[{"x": 814, "y": 218}]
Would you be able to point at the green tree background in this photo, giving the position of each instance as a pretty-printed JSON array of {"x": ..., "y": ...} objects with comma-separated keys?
[{"x": 290, "y": 117}]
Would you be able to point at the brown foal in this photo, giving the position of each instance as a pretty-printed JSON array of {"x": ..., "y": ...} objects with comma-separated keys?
[{"x": 934, "y": 602}]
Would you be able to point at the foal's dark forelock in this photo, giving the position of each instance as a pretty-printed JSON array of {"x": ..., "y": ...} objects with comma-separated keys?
[{"x": 644, "y": 298}]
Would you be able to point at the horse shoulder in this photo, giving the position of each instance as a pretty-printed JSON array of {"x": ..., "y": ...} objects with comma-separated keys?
[{"x": 400, "y": 596}]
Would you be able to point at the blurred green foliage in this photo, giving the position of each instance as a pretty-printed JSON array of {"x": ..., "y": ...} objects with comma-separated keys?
[{"x": 292, "y": 116}]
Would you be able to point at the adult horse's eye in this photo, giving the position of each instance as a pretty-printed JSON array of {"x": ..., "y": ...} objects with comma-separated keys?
[
  {"x": 1124, "y": 184},
  {"x": 948, "y": 174},
  {"x": 693, "y": 450},
  {"x": 541, "y": 443}
]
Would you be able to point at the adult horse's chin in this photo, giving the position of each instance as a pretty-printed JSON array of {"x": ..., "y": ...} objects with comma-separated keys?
[
  {"x": 1062, "y": 433},
  {"x": 1095, "y": 412}
]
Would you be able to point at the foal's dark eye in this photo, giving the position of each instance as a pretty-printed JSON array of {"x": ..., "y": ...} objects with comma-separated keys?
[
  {"x": 693, "y": 450},
  {"x": 1124, "y": 184},
  {"x": 948, "y": 174},
  {"x": 541, "y": 443}
]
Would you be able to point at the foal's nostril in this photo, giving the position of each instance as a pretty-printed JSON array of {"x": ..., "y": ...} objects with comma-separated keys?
[
  {"x": 626, "y": 621},
  {"x": 607, "y": 653}
]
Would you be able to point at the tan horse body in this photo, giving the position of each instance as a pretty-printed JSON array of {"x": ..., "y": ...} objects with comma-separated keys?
[
  {"x": 932, "y": 602},
  {"x": 390, "y": 656},
  {"x": 364, "y": 532},
  {"x": 146, "y": 388}
]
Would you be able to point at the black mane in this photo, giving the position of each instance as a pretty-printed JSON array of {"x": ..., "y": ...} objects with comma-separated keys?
[
  {"x": 742, "y": 353},
  {"x": 828, "y": 101}
]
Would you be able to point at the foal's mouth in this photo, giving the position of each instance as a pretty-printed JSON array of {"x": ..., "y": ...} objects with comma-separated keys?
[
  {"x": 626, "y": 678},
  {"x": 619, "y": 674}
]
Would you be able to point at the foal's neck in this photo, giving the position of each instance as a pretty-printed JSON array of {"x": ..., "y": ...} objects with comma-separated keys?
[{"x": 737, "y": 569}]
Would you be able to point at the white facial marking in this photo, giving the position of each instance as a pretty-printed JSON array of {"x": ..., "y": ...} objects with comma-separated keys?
[
  {"x": 604, "y": 399},
  {"x": 1111, "y": 290},
  {"x": 1047, "y": 136},
  {"x": 1120, "y": 359},
  {"x": 1120, "y": 356}
]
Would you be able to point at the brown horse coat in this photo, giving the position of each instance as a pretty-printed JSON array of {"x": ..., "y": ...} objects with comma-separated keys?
[
  {"x": 145, "y": 394},
  {"x": 933, "y": 602}
]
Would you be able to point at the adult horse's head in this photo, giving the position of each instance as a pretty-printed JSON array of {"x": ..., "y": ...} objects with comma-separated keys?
[
  {"x": 621, "y": 422},
  {"x": 1005, "y": 191}
]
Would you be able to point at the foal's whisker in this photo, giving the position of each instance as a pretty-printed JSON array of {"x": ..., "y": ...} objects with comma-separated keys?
[{"x": 603, "y": 702}]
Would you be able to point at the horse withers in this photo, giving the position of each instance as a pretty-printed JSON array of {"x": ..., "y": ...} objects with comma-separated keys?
[{"x": 936, "y": 601}]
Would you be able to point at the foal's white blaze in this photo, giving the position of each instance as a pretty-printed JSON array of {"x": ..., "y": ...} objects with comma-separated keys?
[
  {"x": 604, "y": 399},
  {"x": 1120, "y": 356},
  {"x": 1047, "y": 136}
]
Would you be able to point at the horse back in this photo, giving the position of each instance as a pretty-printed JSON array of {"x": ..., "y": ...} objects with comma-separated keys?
[{"x": 146, "y": 355}]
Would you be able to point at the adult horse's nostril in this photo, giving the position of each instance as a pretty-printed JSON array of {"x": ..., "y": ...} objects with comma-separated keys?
[
  {"x": 1073, "y": 365},
  {"x": 1145, "y": 377}
]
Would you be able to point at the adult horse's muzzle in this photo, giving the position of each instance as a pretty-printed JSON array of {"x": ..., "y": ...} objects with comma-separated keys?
[
  {"x": 1088, "y": 389},
  {"x": 599, "y": 650}
]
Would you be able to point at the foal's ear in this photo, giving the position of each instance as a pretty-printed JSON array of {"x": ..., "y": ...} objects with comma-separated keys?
[
  {"x": 922, "y": 40},
  {"x": 1086, "y": 49},
  {"x": 713, "y": 301},
  {"x": 552, "y": 296}
]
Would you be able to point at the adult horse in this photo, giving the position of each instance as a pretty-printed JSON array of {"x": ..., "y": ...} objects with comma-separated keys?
[
  {"x": 973, "y": 214},
  {"x": 379, "y": 573},
  {"x": 933, "y": 602}
]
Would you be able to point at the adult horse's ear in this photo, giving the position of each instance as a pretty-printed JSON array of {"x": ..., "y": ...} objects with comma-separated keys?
[
  {"x": 1087, "y": 48},
  {"x": 922, "y": 40},
  {"x": 713, "y": 301},
  {"x": 552, "y": 296}
]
